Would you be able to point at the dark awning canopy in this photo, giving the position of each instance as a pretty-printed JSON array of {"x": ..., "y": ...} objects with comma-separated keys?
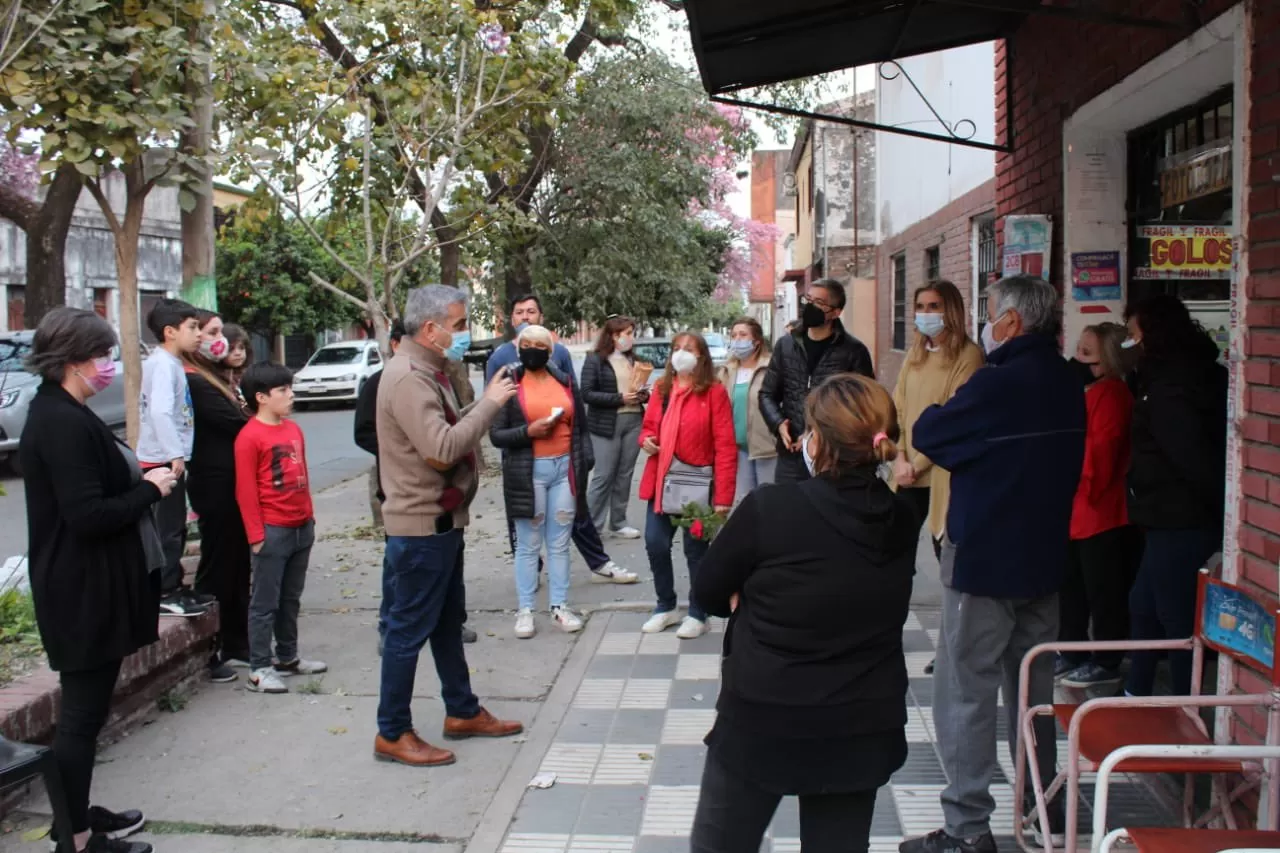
[{"x": 743, "y": 43}]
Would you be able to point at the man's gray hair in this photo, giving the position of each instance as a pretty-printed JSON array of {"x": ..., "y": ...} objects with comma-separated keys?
[
  {"x": 1035, "y": 300},
  {"x": 430, "y": 302}
]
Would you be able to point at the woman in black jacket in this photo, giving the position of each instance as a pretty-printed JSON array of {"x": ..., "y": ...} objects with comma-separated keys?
[
  {"x": 224, "y": 570},
  {"x": 613, "y": 419},
  {"x": 816, "y": 580},
  {"x": 94, "y": 554},
  {"x": 1176, "y": 477},
  {"x": 546, "y": 460}
]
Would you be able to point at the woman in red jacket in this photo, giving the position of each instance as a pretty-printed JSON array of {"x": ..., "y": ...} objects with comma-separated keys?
[
  {"x": 1100, "y": 567},
  {"x": 689, "y": 419}
]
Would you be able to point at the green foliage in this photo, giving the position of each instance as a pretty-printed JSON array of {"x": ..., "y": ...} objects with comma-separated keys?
[
  {"x": 17, "y": 617},
  {"x": 172, "y": 701}
]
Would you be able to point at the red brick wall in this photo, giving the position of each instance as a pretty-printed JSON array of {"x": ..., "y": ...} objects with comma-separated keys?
[
  {"x": 951, "y": 230},
  {"x": 1057, "y": 67}
]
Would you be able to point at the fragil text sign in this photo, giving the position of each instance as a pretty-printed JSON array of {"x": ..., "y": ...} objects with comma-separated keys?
[
  {"x": 1186, "y": 251},
  {"x": 1095, "y": 276}
]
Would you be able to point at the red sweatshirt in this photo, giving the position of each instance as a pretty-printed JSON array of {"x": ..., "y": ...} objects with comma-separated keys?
[
  {"x": 706, "y": 437},
  {"x": 271, "y": 477},
  {"x": 1100, "y": 502}
]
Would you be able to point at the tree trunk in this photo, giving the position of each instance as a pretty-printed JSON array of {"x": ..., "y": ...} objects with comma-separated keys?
[
  {"x": 47, "y": 246},
  {"x": 198, "y": 283},
  {"x": 130, "y": 349},
  {"x": 450, "y": 258}
]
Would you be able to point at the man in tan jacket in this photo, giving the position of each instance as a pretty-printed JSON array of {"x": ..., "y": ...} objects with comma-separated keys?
[{"x": 428, "y": 448}]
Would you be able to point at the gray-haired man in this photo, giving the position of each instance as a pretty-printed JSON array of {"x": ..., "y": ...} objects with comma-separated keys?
[
  {"x": 428, "y": 446},
  {"x": 1013, "y": 439}
]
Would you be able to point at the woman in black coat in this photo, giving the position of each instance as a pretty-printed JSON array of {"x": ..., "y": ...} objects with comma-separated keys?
[
  {"x": 815, "y": 578},
  {"x": 94, "y": 554},
  {"x": 1176, "y": 476},
  {"x": 613, "y": 419},
  {"x": 546, "y": 460}
]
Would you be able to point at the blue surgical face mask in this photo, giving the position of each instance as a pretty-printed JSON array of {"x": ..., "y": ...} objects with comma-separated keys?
[
  {"x": 741, "y": 349},
  {"x": 929, "y": 325},
  {"x": 461, "y": 343}
]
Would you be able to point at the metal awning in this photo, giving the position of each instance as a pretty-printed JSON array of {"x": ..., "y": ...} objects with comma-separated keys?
[{"x": 745, "y": 43}]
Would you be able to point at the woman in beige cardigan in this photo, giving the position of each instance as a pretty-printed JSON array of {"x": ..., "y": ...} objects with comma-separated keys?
[
  {"x": 941, "y": 359},
  {"x": 741, "y": 376}
]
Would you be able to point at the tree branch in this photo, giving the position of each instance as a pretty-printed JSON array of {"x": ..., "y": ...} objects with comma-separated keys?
[
  {"x": 17, "y": 208},
  {"x": 113, "y": 222},
  {"x": 337, "y": 291}
]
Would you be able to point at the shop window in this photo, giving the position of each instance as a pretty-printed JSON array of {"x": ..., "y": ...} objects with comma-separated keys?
[
  {"x": 147, "y": 301},
  {"x": 17, "y": 307},
  {"x": 900, "y": 302},
  {"x": 987, "y": 262},
  {"x": 102, "y": 302},
  {"x": 933, "y": 263}
]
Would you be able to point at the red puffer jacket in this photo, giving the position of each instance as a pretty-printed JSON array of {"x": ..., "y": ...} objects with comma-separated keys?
[
  {"x": 706, "y": 437},
  {"x": 1100, "y": 502}
]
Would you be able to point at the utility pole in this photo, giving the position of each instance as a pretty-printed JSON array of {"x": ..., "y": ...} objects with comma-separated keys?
[{"x": 199, "y": 287}]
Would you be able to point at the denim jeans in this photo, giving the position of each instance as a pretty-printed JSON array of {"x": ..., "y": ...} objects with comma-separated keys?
[
  {"x": 279, "y": 575},
  {"x": 752, "y": 473},
  {"x": 552, "y": 522},
  {"x": 659, "y": 532},
  {"x": 424, "y": 577},
  {"x": 585, "y": 537}
]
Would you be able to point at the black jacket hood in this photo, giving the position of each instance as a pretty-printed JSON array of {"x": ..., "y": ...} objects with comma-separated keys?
[{"x": 862, "y": 509}]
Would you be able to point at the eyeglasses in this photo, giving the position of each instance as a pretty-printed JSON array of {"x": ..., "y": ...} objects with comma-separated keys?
[{"x": 808, "y": 300}]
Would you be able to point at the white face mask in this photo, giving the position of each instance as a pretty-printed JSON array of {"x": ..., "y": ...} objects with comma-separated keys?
[
  {"x": 624, "y": 343},
  {"x": 1129, "y": 343},
  {"x": 683, "y": 362},
  {"x": 989, "y": 342}
]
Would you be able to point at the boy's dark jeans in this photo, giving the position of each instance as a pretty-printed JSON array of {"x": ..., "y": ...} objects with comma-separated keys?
[
  {"x": 279, "y": 575},
  {"x": 171, "y": 523}
]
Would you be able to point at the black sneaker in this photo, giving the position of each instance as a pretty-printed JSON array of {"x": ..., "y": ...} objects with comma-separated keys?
[
  {"x": 220, "y": 673},
  {"x": 202, "y": 599},
  {"x": 939, "y": 842},
  {"x": 109, "y": 825},
  {"x": 1088, "y": 675},
  {"x": 928, "y": 668},
  {"x": 469, "y": 636},
  {"x": 1057, "y": 822},
  {"x": 102, "y": 844},
  {"x": 178, "y": 604},
  {"x": 1063, "y": 665}
]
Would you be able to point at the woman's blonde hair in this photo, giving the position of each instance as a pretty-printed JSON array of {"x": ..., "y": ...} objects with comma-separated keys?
[
  {"x": 856, "y": 422},
  {"x": 954, "y": 321},
  {"x": 536, "y": 334},
  {"x": 1110, "y": 354}
]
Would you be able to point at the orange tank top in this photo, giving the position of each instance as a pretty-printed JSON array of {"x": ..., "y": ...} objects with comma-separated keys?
[{"x": 539, "y": 394}]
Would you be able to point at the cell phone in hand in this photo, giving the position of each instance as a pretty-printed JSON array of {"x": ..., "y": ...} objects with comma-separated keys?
[{"x": 556, "y": 413}]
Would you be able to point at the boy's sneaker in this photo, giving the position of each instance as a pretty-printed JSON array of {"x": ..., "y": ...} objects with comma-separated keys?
[
  {"x": 237, "y": 663},
  {"x": 1063, "y": 665},
  {"x": 102, "y": 844},
  {"x": 525, "y": 627},
  {"x": 1089, "y": 675},
  {"x": 301, "y": 667},
  {"x": 201, "y": 599},
  {"x": 468, "y": 635},
  {"x": 928, "y": 668},
  {"x": 569, "y": 622},
  {"x": 627, "y": 532},
  {"x": 691, "y": 628},
  {"x": 221, "y": 673},
  {"x": 611, "y": 572},
  {"x": 939, "y": 842},
  {"x": 659, "y": 622},
  {"x": 109, "y": 824},
  {"x": 266, "y": 681},
  {"x": 180, "y": 604}
]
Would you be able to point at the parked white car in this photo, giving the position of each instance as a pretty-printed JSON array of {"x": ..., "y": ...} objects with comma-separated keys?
[{"x": 336, "y": 373}]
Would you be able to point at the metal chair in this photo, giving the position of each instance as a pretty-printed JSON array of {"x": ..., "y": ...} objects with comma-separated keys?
[
  {"x": 22, "y": 762},
  {"x": 1229, "y": 621}
]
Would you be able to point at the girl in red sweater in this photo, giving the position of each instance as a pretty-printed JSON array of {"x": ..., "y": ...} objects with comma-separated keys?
[
  {"x": 689, "y": 419},
  {"x": 1100, "y": 565}
]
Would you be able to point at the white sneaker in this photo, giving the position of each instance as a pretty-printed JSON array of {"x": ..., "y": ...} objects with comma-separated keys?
[
  {"x": 627, "y": 533},
  {"x": 611, "y": 572},
  {"x": 691, "y": 629},
  {"x": 266, "y": 681},
  {"x": 302, "y": 666},
  {"x": 569, "y": 622},
  {"x": 525, "y": 628},
  {"x": 659, "y": 622}
]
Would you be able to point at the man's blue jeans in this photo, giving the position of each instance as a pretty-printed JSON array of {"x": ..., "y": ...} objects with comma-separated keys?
[{"x": 423, "y": 577}]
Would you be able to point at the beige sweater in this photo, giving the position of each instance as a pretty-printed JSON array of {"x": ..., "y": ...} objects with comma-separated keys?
[
  {"x": 419, "y": 451},
  {"x": 932, "y": 382}
]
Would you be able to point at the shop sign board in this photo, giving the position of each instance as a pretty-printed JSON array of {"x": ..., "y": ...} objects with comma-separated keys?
[
  {"x": 1095, "y": 276},
  {"x": 1026, "y": 245},
  {"x": 1186, "y": 251},
  {"x": 1194, "y": 174},
  {"x": 1232, "y": 620}
]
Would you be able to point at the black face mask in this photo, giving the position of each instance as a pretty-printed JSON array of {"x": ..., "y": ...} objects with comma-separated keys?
[
  {"x": 813, "y": 317},
  {"x": 1084, "y": 371},
  {"x": 533, "y": 358}
]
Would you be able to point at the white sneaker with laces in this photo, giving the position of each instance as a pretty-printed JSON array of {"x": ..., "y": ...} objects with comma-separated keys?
[
  {"x": 301, "y": 666},
  {"x": 569, "y": 622},
  {"x": 525, "y": 627},
  {"x": 659, "y": 622},
  {"x": 627, "y": 532},
  {"x": 266, "y": 680},
  {"x": 691, "y": 629},
  {"x": 611, "y": 572}
]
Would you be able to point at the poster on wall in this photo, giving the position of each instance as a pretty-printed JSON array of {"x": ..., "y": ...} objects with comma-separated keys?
[
  {"x": 1186, "y": 252},
  {"x": 1095, "y": 276},
  {"x": 1026, "y": 245},
  {"x": 1215, "y": 317}
]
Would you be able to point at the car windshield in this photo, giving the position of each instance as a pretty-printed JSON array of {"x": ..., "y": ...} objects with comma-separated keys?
[
  {"x": 336, "y": 355},
  {"x": 654, "y": 352},
  {"x": 714, "y": 340},
  {"x": 12, "y": 355}
]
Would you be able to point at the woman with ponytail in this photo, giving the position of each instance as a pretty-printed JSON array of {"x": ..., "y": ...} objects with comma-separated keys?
[{"x": 815, "y": 578}]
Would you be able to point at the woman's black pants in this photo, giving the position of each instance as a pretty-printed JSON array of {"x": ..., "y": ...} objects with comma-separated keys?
[
  {"x": 86, "y": 699},
  {"x": 733, "y": 815},
  {"x": 224, "y": 570}
]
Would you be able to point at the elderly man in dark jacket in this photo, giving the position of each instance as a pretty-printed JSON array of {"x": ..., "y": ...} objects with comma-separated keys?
[
  {"x": 1013, "y": 439},
  {"x": 818, "y": 349}
]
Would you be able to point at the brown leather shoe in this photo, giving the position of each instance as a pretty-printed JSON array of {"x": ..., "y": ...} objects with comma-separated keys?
[
  {"x": 483, "y": 724},
  {"x": 412, "y": 750}
]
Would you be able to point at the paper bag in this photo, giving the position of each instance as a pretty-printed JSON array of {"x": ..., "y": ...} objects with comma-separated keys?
[{"x": 640, "y": 372}]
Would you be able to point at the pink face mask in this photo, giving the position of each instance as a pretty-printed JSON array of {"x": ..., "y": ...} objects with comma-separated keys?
[
  {"x": 215, "y": 349},
  {"x": 104, "y": 371}
]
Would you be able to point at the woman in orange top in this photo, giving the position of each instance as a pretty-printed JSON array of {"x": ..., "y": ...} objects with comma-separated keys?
[{"x": 546, "y": 462}]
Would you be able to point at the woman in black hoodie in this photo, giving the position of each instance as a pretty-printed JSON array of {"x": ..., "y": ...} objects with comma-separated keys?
[
  {"x": 815, "y": 578},
  {"x": 1176, "y": 478}
]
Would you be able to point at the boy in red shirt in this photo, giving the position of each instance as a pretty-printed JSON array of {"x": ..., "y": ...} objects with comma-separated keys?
[{"x": 275, "y": 502}]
